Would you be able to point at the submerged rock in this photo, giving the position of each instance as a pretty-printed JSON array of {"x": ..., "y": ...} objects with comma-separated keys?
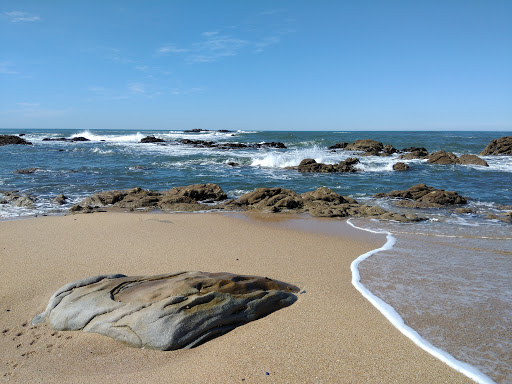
[
  {"x": 10, "y": 139},
  {"x": 26, "y": 171},
  {"x": 151, "y": 139},
  {"x": 165, "y": 312},
  {"x": 498, "y": 147},
  {"x": 400, "y": 167}
]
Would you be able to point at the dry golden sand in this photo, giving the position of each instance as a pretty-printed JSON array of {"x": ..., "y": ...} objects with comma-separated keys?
[{"x": 330, "y": 335}]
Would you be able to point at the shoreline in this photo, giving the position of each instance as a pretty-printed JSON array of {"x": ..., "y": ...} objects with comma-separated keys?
[{"x": 331, "y": 333}]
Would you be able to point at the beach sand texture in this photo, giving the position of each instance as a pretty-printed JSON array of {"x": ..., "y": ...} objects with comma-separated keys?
[{"x": 330, "y": 335}]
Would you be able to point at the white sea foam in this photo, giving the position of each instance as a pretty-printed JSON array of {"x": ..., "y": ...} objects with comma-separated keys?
[
  {"x": 136, "y": 137},
  {"x": 292, "y": 158},
  {"x": 390, "y": 313}
]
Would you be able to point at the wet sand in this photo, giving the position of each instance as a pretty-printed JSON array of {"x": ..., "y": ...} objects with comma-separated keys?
[{"x": 330, "y": 335}]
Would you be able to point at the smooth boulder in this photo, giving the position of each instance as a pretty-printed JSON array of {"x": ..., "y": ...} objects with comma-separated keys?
[{"x": 165, "y": 312}]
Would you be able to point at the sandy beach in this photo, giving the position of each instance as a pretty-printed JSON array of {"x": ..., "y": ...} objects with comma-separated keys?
[{"x": 330, "y": 335}]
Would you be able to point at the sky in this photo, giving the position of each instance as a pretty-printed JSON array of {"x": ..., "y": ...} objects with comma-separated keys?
[{"x": 256, "y": 65}]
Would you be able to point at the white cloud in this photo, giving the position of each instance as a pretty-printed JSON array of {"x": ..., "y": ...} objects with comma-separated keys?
[
  {"x": 267, "y": 42},
  {"x": 19, "y": 17},
  {"x": 171, "y": 49}
]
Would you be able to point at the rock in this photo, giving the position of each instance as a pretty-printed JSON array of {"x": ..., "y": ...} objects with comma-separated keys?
[
  {"x": 233, "y": 164},
  {"x": 9, "y": 139},
  {"x": 26, "y": 171},
  {"x": 400, "y": 167},
  {"x": 442, "y": 157},
  {"x": 425, "y": 197},
  {"x": 151, "y": 139},
  {"x": 18, "y": 200},
  {"x": 60, "y": 199},
  {"x": 389, "y": 150},
  {"x": 274, "y": 199},
  {"x": 338, "y": 146},
  {"x": 414, "y": 153},
  {"x": 56, "y": 139},
  {"x": 79, "y": 138},
  {"x": 196, "y": 130},
  {"x": 271, "y": 145},
  {"x": 473, "y": 160},
  {"x": 366, "y": 145},
  {"x": 310, "y": 165},
  {"x": 165, "y": 312},
  {"x": 224, "y": 131},
  {"x": 498, "y": 147}
]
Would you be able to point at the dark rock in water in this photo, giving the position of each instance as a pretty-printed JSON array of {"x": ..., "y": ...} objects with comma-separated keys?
[
  {"x": 56, "y": 139},
  {"x": 80, "y": 138},
  {"x": 9, "y": 139},
  {"x": 196, "y": 130},
  {"x": 198, "y": 143},
  {"x": 26, "y": 171},
  {"x": 346, "y": 166},
  {"x": 425, "y": 196},
  {"x": 151, "y": 139},
  {"x": 233, "y": 164},
  {"x": 270, "y": 145},
  {"x": 499, "y": 147},
  {"x": 224, "y": 131},
  {"x": 442, "y": 157},
  {"x": 212, "y": 144},
  {"x": 400, "y": 167},
  {"x": 365, "y": 145},
  {"x": 413, "y": 153},
  {"x": 165, "y": 312},
  {"x": 18, "y": 200},
  {"x": 472, "y": 160},
  {"x": 60, "y": 199},
  {"x": 338, "y": 146},
  {"x": 389, "y": 150}
]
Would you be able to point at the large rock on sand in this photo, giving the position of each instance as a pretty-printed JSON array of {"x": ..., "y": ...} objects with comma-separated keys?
[
  {"x": 165, "y": 312},
  {"x": 499, "y": 147}
]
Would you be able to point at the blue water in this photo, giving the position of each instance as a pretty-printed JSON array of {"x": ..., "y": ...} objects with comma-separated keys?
[{"x": 448, "y": 277}]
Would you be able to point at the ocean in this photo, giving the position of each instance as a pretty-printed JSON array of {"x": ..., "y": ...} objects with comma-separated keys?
[{"x": 448, "y": 277}]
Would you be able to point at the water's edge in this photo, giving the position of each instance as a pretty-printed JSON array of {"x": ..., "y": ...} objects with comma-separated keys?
[{"x": 397, "y": 321}]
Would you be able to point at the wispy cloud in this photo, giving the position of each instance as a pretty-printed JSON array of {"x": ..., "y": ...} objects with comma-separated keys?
[
  {"x": 266, "y": 42},
  {"x": 21, "y": 17},
  {"x": 189, "y": 91},
  {"x": 213, "y": 47},
  {"x": 7, "y": 68},
  {"x": 33, "y": 109}
]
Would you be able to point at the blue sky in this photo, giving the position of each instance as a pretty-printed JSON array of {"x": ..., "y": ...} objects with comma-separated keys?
[{"x": 256, "y": 65}]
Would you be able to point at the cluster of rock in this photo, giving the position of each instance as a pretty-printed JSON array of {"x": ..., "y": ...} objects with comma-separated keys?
[
  {"x": 442, "y": 157},
  {"x": 189, "y": 198},
  {"x": 11, "y": 139},
  {"x": 17, "y": 199},
  {"x": 322, "y": 202},
  {"x": 499, "y": 147},
  {"x": 165, "y": 312},
  {"x": 423, "y": 196},
  {"x": 345, "y": 166},
  {"x": 367, "y": 146},
  {"x": 212, "y": 144},
  {"x": 72, "y": 140}
]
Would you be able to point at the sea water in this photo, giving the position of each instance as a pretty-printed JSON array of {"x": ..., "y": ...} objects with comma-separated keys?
[{"x": 449, "y": 277}]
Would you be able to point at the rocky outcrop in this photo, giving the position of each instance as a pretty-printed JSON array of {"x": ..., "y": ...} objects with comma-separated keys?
[
  {"x": 442, "y": 157},
  {"x": 229, "y": 145},
  {"x": 322, "y": 202},
  {"x": 10, "y": 139},
  {"x": 165, "y": 312},
  {"x": 338, "y": 146},
  {"x": 310, "y": 165},
  {"x": 186, "y": 198},
  {"x": 413, "y": 153},
  {"x": 26, "y": 171},
  {"x": 65, "y": 139},
  {"x": 423, "y": 196},
  {"x": 499, "y": 147},
  {"x": 18, "y": 200},
  {"x": 365, "y": 145},
  {"x": 271, "y": 199},
  {"x": 60, "y": 199},
  {"x": 400, "y": 167},
  {"x": 151, "y": 139},
  {"x": 472, "y": 160}
]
